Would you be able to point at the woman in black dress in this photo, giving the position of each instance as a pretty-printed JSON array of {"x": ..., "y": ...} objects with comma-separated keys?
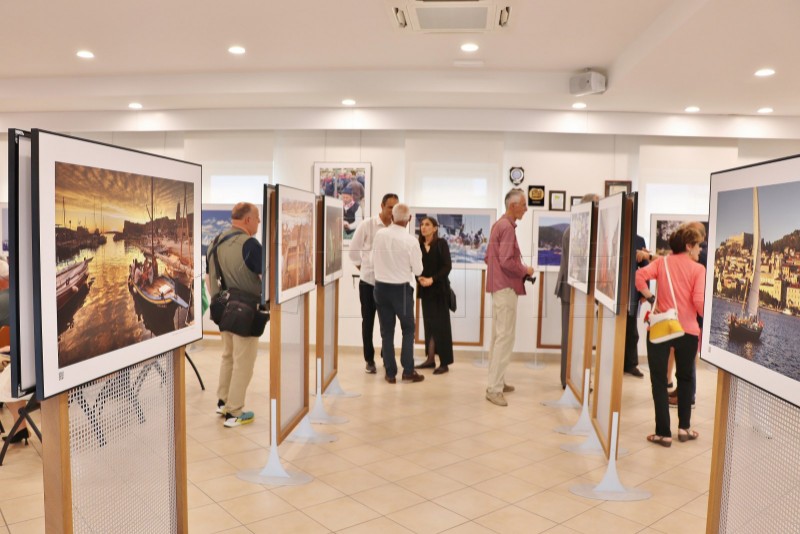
[{"x": 433, "y": 290}]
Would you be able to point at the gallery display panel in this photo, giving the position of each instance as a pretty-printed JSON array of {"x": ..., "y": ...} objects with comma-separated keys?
[
  {"x": 296, "y": 236},
  {"x": 117, "y": 258},
  {"x": 581, "y": 232},
  {"x": 752, "y": 293},
  {"x": 608, "y": 251}
]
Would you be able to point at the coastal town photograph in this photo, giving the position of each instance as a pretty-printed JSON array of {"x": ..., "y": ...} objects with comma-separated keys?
[
  {"x": 124, "y": 255},
  {"x": 756, "y": 276}
]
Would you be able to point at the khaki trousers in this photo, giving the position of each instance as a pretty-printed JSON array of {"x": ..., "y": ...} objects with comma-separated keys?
[
  {"x": 236, "y": 370},
  {"x": 504, "y": 322}
]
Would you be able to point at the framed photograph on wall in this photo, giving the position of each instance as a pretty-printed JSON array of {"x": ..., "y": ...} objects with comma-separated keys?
[
  {"x": 581, "y": 234},
  {"x": 118, "y": 244},
  {"x": 662, "y": 226},
  {"x": 536, "y": 196},
  {"x": 332, "y": 220},
  {"x": 465, "y": 230},
  {"x": 574, "y": 201},
  {"x": 558, "y": 200},
  {"x": 752, "y": 307},
  {"x": 350, "y": 182},
  {"x": 296, "y": 242},
  {"x": 617, "y": 186},
  {"x": 608, "y": 251},
  {"x": 548, "y": 234}
]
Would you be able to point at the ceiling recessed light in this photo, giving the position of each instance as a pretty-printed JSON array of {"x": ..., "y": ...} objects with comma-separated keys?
[
  {"x": 135, "y": 105},
  {"x": 469, "y": 47},
  {"x": 763, "y": 73},
  {"x": 579, "y": 105},
  {"x": 84, "y": 54},
  {"x": 692, "y": 109},
  {"x": 237, "y": 50},
  {"x": 765, "y": 110},
  {"x": 348, "y": 102}
]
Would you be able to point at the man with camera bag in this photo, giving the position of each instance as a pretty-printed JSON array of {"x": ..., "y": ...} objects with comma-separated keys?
[{"x": 234, "y": 282}]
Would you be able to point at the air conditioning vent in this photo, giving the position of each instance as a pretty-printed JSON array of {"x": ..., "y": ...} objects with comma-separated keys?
[{"x": 449, "y": 16}]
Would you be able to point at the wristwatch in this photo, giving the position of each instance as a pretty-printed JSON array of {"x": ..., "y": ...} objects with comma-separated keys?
[{"x": 652, "y": 299}]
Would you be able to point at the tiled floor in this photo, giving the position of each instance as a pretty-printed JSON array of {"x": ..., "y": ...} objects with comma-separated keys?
[{"x": 424, "y": 458}]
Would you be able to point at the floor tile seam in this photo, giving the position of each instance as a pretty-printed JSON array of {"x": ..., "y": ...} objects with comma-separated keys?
[
  {"x": 287, "y": 513},
  {"x": 649, "y": 525},
  {"x": 3, "y": 518},
  {"x": 265, "y": 489}
]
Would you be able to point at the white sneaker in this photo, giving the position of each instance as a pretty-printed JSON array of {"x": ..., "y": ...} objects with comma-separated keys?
[{"x": 244, "y": 419}]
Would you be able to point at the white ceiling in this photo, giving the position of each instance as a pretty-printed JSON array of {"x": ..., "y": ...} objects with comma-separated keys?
[{"x": 659, "y": 55}]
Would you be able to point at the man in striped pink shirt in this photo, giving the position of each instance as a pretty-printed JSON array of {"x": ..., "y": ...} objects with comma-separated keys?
[{"x": 505, "y": 278}]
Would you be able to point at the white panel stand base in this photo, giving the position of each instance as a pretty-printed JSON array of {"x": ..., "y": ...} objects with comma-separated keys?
[
  {"x": 483, "y": 363},
  {"x": 584, "y": 425},
  {"x": 567, "y": 400},
  {"x": 610, "y": 488},
  {"x": 197, "y": 346},
  {"x": 591, "y": 446},
  {"x": 535, "y": 364},
  {"x": 335, "y": 390},
  {"x": 318, "y": 414},
  {"x": 273, "y": 474},
  {"x": 304, "y": 433}
]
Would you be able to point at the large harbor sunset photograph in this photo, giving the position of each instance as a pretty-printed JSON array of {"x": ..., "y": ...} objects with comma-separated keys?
[
  {"x": 124, "y": 256},
  {"x": 756, "y": 276}
]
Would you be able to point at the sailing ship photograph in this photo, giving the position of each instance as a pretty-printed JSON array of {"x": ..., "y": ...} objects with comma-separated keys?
[
  {"x": 466, "y": 232},
  {"x": 755, "y": 309},
  {"x": 125, "y": 264}
]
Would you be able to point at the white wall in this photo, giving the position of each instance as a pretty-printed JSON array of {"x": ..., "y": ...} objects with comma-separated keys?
[{"x": 577, "y": 163}]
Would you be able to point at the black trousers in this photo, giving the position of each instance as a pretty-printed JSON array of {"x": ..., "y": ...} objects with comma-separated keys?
[
  {"x": 631, "y": 344},
  {"x": 368, "y": 310},
  {"x": 657, "y": 357}
]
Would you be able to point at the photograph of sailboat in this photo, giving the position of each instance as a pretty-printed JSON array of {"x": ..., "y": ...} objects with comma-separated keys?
[
  {"x": 752, "y": 297},
  {"x": 125, "y": 264}
]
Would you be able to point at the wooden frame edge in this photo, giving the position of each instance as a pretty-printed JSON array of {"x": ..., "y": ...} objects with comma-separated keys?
[
  {"x": 718, "y": 451},
  {"x": 56, "y": 472},
  {"x": 181, "y": 473}
]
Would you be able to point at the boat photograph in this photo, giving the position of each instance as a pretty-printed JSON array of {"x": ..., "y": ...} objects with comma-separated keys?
[
  {"x": 129, "y": 276},
  {"x": 755, "y": 268}
]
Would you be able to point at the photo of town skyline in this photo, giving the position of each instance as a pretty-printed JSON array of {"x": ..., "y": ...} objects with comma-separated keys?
[{"x": 771, "y": 339}]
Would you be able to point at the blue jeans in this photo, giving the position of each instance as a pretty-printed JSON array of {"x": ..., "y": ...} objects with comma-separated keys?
[{"x": 395, "y": 301}]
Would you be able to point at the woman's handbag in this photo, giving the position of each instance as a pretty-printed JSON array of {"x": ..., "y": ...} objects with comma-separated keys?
[
  {"x": 451, "y": 298},
  {"x": 664, "y": 326}
]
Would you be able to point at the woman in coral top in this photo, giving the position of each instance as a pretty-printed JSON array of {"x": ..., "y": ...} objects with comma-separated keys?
[{"x": 688, "y": 284}]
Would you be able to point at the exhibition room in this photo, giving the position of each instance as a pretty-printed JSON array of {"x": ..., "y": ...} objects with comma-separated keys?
[{"x": 400, "y": 266}]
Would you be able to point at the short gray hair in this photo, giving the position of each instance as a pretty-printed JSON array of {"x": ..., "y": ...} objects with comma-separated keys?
[
  {"x": 516, "y": 192},
  {"x": 401, "y": 213},
  {"x": 589, "y": 197}
]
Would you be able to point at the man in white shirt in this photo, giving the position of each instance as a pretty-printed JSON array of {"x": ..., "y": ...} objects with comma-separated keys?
[
  {"x": 361, "y": 255},
  {"x": 397, "y": 259}
]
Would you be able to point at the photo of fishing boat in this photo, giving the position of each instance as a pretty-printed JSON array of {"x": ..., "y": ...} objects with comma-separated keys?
[{"x": 139, "y": 284}]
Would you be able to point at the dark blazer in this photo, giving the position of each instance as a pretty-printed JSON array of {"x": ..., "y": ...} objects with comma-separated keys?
[
  {"x": 562, "y": 287},
  {"x": 635, "y": 296}
]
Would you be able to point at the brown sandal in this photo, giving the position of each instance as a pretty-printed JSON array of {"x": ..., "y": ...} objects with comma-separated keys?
[
  {"x": 664, "y": 441},
  {"x": 688, "y": 434}
]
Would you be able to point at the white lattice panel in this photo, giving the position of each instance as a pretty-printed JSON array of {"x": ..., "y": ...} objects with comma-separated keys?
[
  {"x": 122, "y": 451},
  {"x": 761, "y": 477}
]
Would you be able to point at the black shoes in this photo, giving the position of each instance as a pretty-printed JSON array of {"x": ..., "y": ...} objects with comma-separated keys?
[
  {"x": 634, "y": 372},
  {"x": 426, "y": 365},
  {"x": 370, "y": 370},
  {"x": 20, "y": 435},
  {"x": 391, "y": 379},
  {"x": 441, "y": 370},
  {"x": 413, "y": 377}
]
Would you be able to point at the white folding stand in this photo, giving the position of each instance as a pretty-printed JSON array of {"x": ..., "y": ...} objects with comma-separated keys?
[
  {"x": 610, "y": 488},
  {"x": 335, "y": 390},
  {"x": 318, "y": 414},
  {"x": 273, "y": 473},
  {"x": 535, "y": 364},
  {"x": 483, "y": 363},
  {"x": 584, "y": 425},
  {"x": 567, "y": 400},
  {"x": 304, "y": 433}
]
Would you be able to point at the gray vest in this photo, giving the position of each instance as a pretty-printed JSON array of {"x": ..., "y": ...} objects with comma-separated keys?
[{"x": 237, "y": 274}]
